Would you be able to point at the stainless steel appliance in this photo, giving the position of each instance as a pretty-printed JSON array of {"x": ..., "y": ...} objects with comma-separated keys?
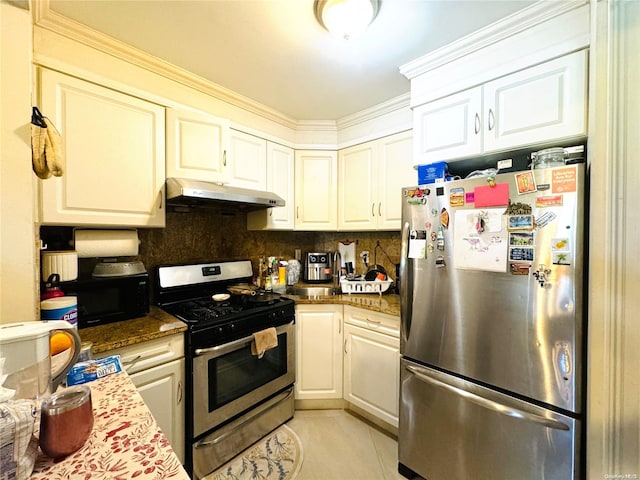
[
  {"x": 492, "y": 332},
  {"x": 184, "y": 192},
  {"x": 317, "y": 267},
  {"x": 233, "y": 398}
]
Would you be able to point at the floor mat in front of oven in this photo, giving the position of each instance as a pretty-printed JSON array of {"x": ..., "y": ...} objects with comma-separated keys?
[{"x": 278, "y": 456}]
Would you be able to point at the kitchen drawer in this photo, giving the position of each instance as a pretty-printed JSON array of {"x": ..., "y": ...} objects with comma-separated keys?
[
  {"x": 378, "y": 322},
  {"x": 151, "y": 353}
]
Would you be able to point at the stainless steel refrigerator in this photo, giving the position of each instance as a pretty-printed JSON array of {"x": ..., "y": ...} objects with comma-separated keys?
[{"x": 492, "y": 337}]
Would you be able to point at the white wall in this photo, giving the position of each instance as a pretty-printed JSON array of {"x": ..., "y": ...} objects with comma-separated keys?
[
  {"x": 18, "y": 262},
  {"x": 613, "y": 409}
]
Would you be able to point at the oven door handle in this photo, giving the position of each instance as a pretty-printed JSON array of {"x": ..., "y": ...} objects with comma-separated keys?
[
  {"x": 236, "y": 343},
  {"x": 206, "y": 443}
]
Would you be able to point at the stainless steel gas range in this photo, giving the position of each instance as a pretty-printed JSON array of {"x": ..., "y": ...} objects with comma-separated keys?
[{"x": 233, "y": 398}]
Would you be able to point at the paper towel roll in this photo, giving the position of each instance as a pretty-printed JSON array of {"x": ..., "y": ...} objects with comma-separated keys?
[{"x": 106, "y": 243}]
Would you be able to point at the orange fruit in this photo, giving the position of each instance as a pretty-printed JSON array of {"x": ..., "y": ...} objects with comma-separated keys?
[{"x": 59, "y": 342}]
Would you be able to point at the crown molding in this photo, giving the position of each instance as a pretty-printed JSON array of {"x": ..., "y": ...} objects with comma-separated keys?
[
  {"x": 46, "y": 18},
  {"x": 390, "y": 106},
  {"x": 523, "y": 20}
]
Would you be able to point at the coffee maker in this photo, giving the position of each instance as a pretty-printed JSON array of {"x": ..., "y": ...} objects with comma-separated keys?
[{"x": 317, "y": 267}]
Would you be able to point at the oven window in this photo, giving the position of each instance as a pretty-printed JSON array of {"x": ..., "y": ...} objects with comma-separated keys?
[{"x": 239, "y": 372}]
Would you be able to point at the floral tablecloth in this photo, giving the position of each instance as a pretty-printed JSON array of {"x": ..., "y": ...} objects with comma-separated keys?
[{"x": 125, "y": 443}]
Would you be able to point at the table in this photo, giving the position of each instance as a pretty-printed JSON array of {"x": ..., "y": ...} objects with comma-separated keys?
[{"x": 125, "y": 443}]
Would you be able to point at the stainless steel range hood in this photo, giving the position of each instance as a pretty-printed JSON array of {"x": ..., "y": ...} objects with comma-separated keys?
[{"x": 182, "y": 192}]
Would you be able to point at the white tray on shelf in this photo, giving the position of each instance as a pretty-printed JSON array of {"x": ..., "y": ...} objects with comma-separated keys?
[{"x": 364, "y": 286}]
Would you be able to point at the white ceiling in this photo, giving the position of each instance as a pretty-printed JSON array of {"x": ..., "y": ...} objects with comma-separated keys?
[{"x": 275, "y": 52}]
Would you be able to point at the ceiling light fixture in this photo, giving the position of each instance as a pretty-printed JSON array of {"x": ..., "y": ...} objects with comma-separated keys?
[{"x": 346, "y": 18}]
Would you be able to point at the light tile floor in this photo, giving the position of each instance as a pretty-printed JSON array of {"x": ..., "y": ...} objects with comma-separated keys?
[{"x": 339, "y": 446}]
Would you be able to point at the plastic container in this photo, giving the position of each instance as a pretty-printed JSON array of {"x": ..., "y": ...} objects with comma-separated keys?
[
  {"x": 363, "y": 286},
  {"x": 60, "y": 308},
  {"x": 549, "y": 157}
]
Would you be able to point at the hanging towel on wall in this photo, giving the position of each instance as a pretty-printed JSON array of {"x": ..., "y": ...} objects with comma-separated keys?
[
  {"x": 263, "y": 341},
  {"x": 46, "y": 147}
]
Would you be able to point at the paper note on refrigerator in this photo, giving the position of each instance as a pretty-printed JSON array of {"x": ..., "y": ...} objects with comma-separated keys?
[{"x": 480, "y": 240}]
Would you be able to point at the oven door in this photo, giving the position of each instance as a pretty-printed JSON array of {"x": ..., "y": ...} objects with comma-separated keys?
[{"x": 228, "y": 379}]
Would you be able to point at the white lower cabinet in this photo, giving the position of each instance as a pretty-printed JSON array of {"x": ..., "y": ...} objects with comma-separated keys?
[
  {"x": 318, "y": 352},
  {"x": 156, "y": 368},
  {"x": 372, "y": 362}
]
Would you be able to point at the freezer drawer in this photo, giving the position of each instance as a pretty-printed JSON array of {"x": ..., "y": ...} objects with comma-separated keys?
[{"x": 451, "y": 428}]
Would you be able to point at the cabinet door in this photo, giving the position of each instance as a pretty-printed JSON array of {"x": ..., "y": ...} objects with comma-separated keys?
[
  {"x": 357, "y": 192},
  {"x": 538, "y": 104},
  {"x": 448, "y": 128},
  {"x": 280, "y": 180},
  {"x": 162, "y": 389},
  {"x": 247, "y": 162},
  {"x": 371, "y": 372},
  {"x": 114, "y": 148},
  {"x": 395, "y": 171},
  {"x": 318, "y": 352},
  {"x": 316, "y": 190},
  {"x": 197, "y": 145}
]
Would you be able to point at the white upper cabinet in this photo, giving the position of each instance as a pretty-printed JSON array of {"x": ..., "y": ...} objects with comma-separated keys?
[
  {"x": 357, "y": 199},
  {"x": 197, "y": 146},
  {"x": 316, "y": 190},
  {"x": 280, "y": 180},
  {"x": 395, "y": 170},
  {"x": 370, "y": 178},
  {"x": 536, "y": 105},
  {"x": 247, "y": 161},
  {"x": 114, "y": 148},
  {"x": 542, "y": 103},
  {"x": 448, "y": 128}
]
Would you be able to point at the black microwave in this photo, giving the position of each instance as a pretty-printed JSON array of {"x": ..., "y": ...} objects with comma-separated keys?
[{"x": 109, "y": 299}]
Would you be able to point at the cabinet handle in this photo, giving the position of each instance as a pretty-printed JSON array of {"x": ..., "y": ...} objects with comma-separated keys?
[
  {"x": 271, "y": 212},
  {"x": 373, "y": 213},
  {"x": 380, "y": 209},
  {"x": 375, "y": 322},
  {"x": 492, "y": 119},
  {"x": 179, "y": 398},
  {"x": 477, "y": 124},
  {"x": 297, "y": 212},
  {"x": 345, "y": 347},
  {"x": 339, "y": 326},
  {"x": 224, "y": 158},
  {"x": 160, "y": 201}
]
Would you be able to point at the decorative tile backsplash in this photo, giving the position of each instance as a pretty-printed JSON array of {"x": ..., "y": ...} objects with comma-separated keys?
[{"x": 204, "y": 235}]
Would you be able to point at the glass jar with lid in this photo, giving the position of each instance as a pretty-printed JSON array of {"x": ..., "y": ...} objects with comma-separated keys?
[{"x": 549, "y": 157}]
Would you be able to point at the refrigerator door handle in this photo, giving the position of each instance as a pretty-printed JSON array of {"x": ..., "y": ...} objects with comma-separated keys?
[
  {"x": 486, "y": 403},
  {"x": 405, "y": 288}
]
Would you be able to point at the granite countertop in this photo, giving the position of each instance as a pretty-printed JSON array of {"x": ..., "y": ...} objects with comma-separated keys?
[
  {"x": 159, "y": 323},
  {"x": 156, "y": 324},
  {"x": 125, "y": 442},
  {"x": 388, "y": 303}
]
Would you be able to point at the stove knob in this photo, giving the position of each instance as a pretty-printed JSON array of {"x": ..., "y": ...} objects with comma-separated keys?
[{"x": 232, "y": 327}]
